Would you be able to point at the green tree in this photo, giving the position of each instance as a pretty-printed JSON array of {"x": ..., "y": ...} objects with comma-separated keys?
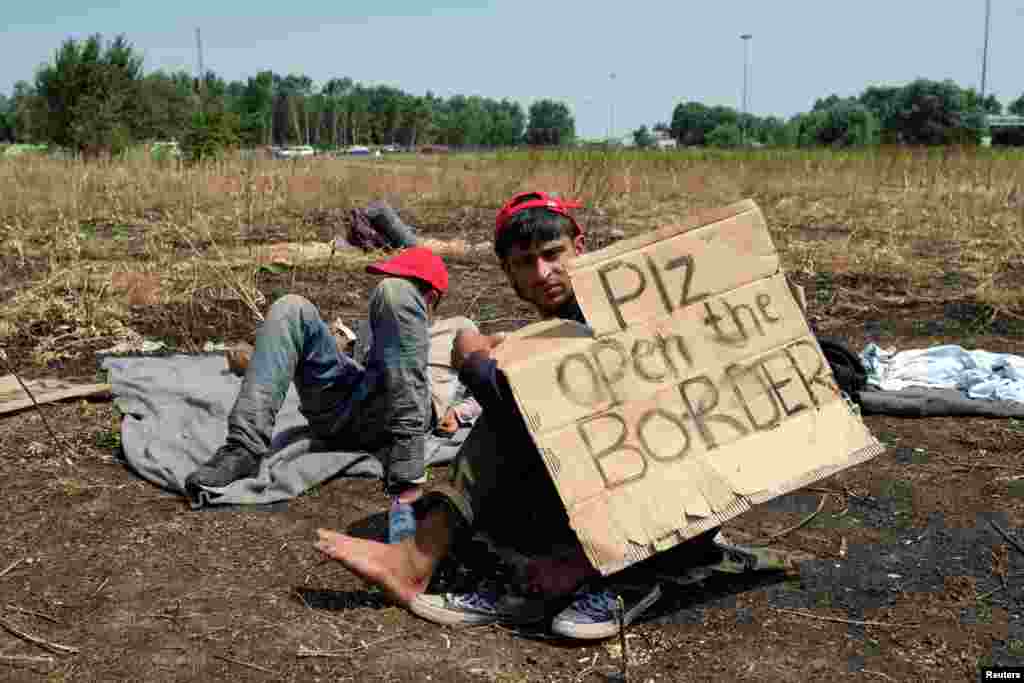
[
  {"x": 291, "y": 119},
  {"x": 359, "y": 122},
  {"x": 883, "y": 101},
  {"x": 6, "y": 119},
  {"x": 1010, "y": 136},
  {"x": 974, "y": 102},
  {"x": 550, "y": 123},
  {"x": 692, "y": 122},
  {"x": 210, "y": 134},
  {"x": 91, "y": 93},
  {"x": 335, "y": 91},
  {"x": 255, "y": 109},
  {"x": 725, "y": 135},
  {"x": 788, "y": 135},
  {"x": 420, "y": 115},
  {"x": 466, "y": 121},
  {"x": 166, "y": 105},
  {"x": 1016, "y": 107},
  {"x": 28, "y": 116},
  {"x": 771, "y": 131},
  {"x": 838, "y": 122},
  {"x": 642, "y": 138},
  {"x": 506, "y": 124},
  {"x": 934, "y": 113},
  {"x": 800, "y": 130}
]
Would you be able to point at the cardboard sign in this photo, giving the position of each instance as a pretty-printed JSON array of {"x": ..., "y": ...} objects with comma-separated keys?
[{"x": 697, "y": 391}]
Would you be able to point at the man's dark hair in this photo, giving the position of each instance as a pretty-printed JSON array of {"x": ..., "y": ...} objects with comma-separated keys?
[{"x": 530, "y": 226}]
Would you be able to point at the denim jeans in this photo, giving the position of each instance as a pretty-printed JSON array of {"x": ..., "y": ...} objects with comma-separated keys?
[{"x": 384, "y": 407}]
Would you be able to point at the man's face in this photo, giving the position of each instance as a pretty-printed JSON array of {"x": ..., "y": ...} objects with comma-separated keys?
[{"x": 539, "y": 272}]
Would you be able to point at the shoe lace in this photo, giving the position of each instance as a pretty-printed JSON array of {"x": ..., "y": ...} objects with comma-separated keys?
[
  {"x": 601, "y": 604},
  {"x": 485, "y": 601}
]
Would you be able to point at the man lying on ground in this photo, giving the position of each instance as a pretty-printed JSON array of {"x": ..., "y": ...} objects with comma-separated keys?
[
  {"x": 384, "y": 406},
  {"x": 500, "y": 485}
]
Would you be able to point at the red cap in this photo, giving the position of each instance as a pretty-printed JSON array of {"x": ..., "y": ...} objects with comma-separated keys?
[
  {"x": 417, "y": 262},
  {"x": 532, "y": 200}
]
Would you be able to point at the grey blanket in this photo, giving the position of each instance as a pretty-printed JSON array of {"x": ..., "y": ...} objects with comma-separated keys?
[
  {"x": 175, "y": 416},
  {"x": 931, "y": 402}
]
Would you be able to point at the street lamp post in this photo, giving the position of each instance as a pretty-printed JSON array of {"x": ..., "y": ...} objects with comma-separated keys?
[
  {"x": 746, "y": 68},
  {"x": 984, "y": 54}
]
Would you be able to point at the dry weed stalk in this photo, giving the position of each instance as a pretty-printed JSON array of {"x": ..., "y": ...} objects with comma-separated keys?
[
  {"x": 59, "y": 443},
  {"x": 921, "y": 219}
]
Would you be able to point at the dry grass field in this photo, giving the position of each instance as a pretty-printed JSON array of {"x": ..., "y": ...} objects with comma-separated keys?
[
  {"x": 85, "y": 246},
  {"x": 907, "y": 247}
]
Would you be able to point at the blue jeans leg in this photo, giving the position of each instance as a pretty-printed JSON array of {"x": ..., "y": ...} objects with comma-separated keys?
[
  {"x": 294, "y": 344},
  {"x": 397, "y": 405}
]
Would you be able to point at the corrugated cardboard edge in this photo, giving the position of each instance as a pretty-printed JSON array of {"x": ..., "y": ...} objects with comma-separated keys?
[
  {"x": 637, "y": 553},
  {"x": 695, "y": 221}
]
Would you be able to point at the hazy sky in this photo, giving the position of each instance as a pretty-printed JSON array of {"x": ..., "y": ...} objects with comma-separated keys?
[{"x": 661, "y": 53}]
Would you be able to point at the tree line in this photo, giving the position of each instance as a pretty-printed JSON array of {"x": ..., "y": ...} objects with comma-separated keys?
[
  {"x": 923, "y": 112},
  {"x": 94, "y": 97}
]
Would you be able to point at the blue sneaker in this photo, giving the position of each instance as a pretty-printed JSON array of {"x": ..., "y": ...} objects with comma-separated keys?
[
  {"x": 485, "y": 606},
  {"x": 595, "y": 614}
]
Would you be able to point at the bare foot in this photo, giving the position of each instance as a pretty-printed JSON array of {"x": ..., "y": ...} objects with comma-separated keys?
[
  {"x": 391, "y": 567},
  {"x": 402, "y": 570}
]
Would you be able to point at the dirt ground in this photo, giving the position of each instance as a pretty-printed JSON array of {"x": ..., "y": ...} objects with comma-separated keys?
[{"x": 117, "y": 580}]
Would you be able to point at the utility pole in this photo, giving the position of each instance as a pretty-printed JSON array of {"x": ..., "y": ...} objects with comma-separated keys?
[
  {"x": 611, "y": 109},
  {"x": 746, "y": 68},
  {"x": 201, "y": 82},
  {"x": 984, "y": 54}
]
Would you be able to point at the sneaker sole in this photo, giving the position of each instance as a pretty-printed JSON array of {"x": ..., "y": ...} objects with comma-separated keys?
[
  {"x": 605, "y": 630},
  {"x": 425, "y": 608},
  {"x": 445, "y": 616},
  {"x": 739, "y": 559}
]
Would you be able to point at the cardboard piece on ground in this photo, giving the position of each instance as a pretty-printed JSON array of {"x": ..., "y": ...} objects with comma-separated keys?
[
  {"x": 13, "y": 397},
  {"x": 698, "y": 390}
]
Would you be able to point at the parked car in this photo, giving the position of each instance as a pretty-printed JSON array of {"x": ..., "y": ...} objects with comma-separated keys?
[
  {"x": 359, "y": 150},
  {"x": 293, "y": 152}
]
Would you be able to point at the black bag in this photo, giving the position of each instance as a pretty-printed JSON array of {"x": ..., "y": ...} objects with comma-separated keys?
[
  {"x": 361, "y": 233},
  {"x": 849, "y": 371},
  {"x": 386, "y": 222}
]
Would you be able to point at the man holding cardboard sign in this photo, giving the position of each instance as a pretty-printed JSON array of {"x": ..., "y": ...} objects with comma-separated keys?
[{"x": 695, "y": 357}]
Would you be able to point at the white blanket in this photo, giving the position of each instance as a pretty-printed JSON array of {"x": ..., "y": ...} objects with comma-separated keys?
[{"x": 979, "y": 374}]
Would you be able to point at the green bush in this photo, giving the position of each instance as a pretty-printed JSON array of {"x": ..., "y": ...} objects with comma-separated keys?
[
  {"x": 210, "y": 135},
  {"x": 726, "y": 135}
]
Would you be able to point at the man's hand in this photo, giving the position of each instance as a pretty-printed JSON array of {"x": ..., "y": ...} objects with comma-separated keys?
[
  {"x": 449, "y": 424},
  {"x": 238, "y": 357},
  {"x": 469, "y": 341}
]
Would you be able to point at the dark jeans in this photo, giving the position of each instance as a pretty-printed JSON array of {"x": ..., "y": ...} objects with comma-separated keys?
[{"x": 500, "y": 486}]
